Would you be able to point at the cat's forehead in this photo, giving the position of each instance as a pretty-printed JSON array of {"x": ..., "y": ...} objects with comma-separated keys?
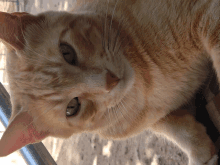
[{"x": 79, "y": 31}]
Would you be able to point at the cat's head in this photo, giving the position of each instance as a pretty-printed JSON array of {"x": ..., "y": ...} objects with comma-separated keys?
[{"x": 57, "y": 60}]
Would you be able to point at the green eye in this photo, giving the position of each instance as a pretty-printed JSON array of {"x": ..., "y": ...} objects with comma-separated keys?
[
  {"x": 73, "y": 107},
  {"x": 69, "y": 54}
]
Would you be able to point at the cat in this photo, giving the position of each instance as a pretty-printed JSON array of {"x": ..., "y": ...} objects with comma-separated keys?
[{"x": 111, "y": 67}]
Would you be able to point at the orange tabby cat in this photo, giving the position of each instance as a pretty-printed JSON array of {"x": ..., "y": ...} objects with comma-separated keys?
[{"x": 111, "y": 67}]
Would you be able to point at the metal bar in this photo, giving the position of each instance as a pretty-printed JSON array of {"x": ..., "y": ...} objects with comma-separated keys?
[{"x": 34, "y": 154}]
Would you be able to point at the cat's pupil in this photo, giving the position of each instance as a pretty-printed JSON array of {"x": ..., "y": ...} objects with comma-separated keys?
[
  {"x": 69, "y": 54},
  {"x": 73, "y": 107}
]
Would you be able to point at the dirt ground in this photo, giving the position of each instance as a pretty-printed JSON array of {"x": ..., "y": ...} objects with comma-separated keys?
[{"x": 90, "y": 149}]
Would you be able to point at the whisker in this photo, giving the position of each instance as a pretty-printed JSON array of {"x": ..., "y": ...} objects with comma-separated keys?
[
  {"x": 30, "y": 60},
  {"x": 121, "y": 108},
  {"x": 33, "y": 51},
  {"x": 103, "y": 39},
  {"x": 129, "y": 108},
  {"x": 24, "y": 83},
  {"x": 116, "y": 37},
  {"x": 108, "y": 116},
  {"x": 123, "y": 39},
  {"x": 120, "y": 45},
  {"x": 119, "y": 121},
  {"x": 127, "y": 114},
  {"x": 106, "y": 18},
  {"x": 122, "y": 113},
  {"x": 124, "y": 109},
  {"x": 110, "y": 121},
  {"x": 111, "y": 23}
]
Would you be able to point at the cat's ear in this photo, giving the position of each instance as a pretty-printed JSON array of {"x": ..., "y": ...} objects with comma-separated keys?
[
  {"x": 12, "y": 27},
  {"x": 20, "y": 132}
]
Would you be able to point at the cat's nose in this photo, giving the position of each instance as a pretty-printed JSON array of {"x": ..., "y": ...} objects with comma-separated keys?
[{"x": 111, "y": 80}]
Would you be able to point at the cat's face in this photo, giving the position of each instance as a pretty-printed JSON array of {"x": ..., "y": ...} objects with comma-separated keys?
[{"x": 63, "y": 57}]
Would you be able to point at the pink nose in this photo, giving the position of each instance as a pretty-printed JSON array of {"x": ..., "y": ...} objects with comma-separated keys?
[{"x": 111, "y": 81}]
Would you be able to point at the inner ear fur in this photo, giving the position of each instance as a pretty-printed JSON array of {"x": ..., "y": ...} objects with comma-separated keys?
[
  {"x": 20, "y": 132},
  {"x": 12, "y": 28}
]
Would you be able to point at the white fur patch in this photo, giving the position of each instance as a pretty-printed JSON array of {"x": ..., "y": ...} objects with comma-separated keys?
[{"x": 213, "y": 161}]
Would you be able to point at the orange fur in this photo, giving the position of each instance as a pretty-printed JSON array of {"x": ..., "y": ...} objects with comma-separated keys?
[{"x": 137, "y": 62}]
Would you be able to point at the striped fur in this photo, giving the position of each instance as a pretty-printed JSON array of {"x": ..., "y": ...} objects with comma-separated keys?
[{"x": 160, "y": 51}]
